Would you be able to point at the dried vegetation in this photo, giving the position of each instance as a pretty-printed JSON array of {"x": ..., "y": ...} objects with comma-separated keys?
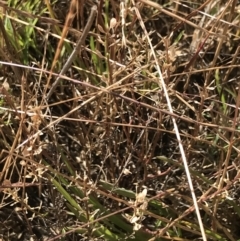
[{"x": 99, "y": 159}]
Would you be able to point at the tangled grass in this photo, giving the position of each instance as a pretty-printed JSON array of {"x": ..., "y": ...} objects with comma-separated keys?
[{"x": 141, "y": 132}]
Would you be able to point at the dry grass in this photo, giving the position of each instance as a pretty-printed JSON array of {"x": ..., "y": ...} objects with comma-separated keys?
[{"x": 113, "y": 152}]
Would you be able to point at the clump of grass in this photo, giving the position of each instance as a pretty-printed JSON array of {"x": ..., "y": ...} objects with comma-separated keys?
[{"x": 100, "y": 158}]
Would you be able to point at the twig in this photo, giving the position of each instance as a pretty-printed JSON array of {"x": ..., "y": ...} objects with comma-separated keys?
[
  {"x": 165, "y": 90},
  {"x": 73, "y": 56},
  {"x": 67, "y": 24}
]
